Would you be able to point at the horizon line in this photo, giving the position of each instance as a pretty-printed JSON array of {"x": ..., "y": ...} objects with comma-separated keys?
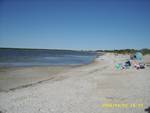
[{"x": 70, "y": 49}]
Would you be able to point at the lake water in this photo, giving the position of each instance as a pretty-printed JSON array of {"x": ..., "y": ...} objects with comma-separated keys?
[{"x": 43, "y": 57}]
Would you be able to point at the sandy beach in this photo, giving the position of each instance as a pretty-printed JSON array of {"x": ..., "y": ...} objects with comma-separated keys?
[
  {"x": 84, "y": 89},
  {"x": 12, "y": 78}
]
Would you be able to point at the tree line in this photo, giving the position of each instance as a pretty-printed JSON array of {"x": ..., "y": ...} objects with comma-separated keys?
[{"x": 127, "y": 51}]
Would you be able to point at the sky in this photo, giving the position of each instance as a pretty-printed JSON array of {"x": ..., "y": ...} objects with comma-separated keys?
[{"x": 75, "y": 24}]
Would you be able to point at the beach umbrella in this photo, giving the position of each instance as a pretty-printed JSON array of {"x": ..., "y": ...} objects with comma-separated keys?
[{"x": 138, "y": 56}]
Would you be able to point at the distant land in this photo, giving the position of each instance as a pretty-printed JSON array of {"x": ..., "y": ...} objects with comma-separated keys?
[
  {"x": 56, "y": 50},
  {"x": 144, "y": 51}
]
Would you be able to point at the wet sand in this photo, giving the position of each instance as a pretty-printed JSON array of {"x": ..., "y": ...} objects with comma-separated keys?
[{"x": 17, "y": 77}]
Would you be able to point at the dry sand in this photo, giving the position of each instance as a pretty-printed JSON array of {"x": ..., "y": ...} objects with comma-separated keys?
[{"x": 83, "y": 90}]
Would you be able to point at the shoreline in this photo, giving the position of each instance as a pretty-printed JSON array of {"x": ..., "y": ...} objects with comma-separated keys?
[
  {"x": 13, "y": 78},
  {"x": 83, "y": 90},
  {"x": 52, "y": 75},
  {"x": 4, "y": 87}
]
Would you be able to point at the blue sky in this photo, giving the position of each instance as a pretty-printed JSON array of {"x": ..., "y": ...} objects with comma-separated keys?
[{"x": 75, "y": 24}]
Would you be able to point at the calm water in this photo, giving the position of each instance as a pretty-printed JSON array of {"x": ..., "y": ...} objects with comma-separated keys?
[{"x": 37, "y": 57}]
